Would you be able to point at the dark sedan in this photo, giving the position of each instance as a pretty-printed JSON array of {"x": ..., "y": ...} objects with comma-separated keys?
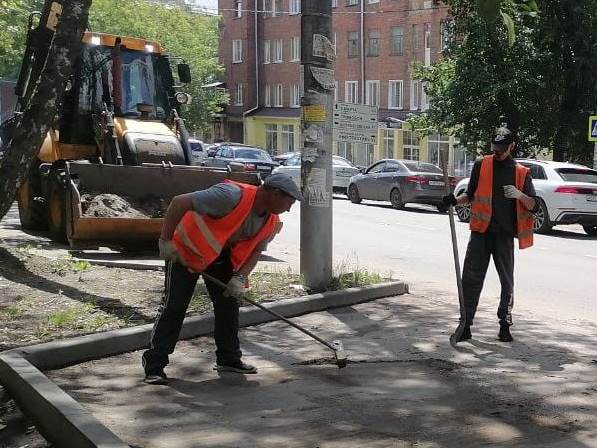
[
  {"x": 400, "y": 182},
  {"x": 247, "y": 158}
]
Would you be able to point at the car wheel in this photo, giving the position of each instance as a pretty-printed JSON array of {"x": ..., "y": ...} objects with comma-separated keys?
[
  {"x": 463, "y": 212},
  {"x": 396, "y": 199},
  {"x": 353, "y": 194},
  {"x": 590, "y": 230},
  {"x": 541, "y": 223},
  {"x": 441, "y": 208}
]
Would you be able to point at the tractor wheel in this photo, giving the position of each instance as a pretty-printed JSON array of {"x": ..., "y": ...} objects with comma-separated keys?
[{"x": 32, "y": 205}]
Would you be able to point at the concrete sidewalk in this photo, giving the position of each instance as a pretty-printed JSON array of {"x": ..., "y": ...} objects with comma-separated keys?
[{"x": 405, "y": 385}]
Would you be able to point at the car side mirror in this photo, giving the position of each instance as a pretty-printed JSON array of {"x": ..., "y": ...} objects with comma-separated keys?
[{"x": 184, "y": 73}]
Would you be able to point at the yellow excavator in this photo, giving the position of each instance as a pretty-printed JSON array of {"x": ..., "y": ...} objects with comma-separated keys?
[{"x": 118, "y": 131}]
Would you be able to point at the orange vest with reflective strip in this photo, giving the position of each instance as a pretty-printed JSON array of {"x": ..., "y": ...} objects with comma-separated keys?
[
  {"x": 199, "y": 239},
  {"x": 481, "y": 205}
]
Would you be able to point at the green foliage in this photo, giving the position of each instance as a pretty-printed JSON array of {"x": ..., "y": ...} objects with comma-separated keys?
[
  {"x": 181, "y": 33},
  {"x": 543, "y": 83},
  {"x": 14, "y": 15}
]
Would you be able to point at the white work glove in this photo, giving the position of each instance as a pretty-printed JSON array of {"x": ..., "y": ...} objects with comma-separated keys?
[
  {"x": 168, "y": 250},
  {"x": 235, "y": 287},
  {"x": 511, "y": 192}
]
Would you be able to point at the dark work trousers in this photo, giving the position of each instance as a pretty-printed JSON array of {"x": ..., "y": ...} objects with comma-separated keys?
[
  {"x": 480, "y": 248},
  {"x": 178, "y": 291}
]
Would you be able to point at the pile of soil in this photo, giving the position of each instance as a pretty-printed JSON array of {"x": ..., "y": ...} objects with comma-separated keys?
[{"x": 107, "y": 205}]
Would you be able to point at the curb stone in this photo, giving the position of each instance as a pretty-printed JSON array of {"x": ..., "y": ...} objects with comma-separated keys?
[{"x": 65, "y": 423}]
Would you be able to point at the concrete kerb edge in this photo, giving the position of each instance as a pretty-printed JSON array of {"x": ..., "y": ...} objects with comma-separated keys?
[
  {"x": 60, "y": 418},
  {"x": 42, "y": 400}
]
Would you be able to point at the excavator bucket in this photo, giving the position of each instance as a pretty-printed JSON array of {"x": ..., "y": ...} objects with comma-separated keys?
[{"x": 136, "y": 184}]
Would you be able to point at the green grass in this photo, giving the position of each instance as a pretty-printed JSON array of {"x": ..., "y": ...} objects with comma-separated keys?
[
  {"x": 84, "y": 317},
  {"x": 63, "y": 266},
  {"x": 17, "y": 310}
]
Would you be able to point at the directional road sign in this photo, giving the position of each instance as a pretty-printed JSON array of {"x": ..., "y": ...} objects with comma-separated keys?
[{"x": 355, "y": 123}]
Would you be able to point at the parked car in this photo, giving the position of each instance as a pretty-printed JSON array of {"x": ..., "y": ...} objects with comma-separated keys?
[
  {"x": 400, "y": 182},
  {"x": 198, "y": 152},
  {"x": 343, "y": 171},
  {"x": 567, "y": 194},
  {"x": 282, "y": 158},
  {"x": 249, "y": 158}
]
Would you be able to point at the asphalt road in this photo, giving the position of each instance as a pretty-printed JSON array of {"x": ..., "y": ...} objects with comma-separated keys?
[{"x": 556, "y": 277}]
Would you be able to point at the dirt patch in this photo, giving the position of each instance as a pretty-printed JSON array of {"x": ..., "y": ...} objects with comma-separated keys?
[{"x": 107, "y": 205}]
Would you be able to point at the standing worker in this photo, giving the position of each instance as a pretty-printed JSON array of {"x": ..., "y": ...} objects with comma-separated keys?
[
  {"x": 221, "y": 230},
  {"x": 502, "y": 199}
]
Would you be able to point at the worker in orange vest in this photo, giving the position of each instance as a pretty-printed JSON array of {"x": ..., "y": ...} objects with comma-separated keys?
[
  {"x": 220, "y": 231},
  {"x": 502, "y": 198}
]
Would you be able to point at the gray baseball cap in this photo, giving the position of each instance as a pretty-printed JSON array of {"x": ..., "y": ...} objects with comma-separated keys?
[{"x": 285, "y": 184}]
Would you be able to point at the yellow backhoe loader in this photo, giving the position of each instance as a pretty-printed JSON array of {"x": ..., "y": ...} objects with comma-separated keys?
[{"x": 118, "y": 132}]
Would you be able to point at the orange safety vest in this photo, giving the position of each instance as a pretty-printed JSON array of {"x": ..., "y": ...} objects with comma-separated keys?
[
  {"x": 481, "y": 205},
  {"x": 199, "y": 239}
]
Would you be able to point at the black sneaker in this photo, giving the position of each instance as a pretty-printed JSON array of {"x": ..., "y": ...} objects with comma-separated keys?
[
  {"x": 158, "y": 377},
  {"x": 466, "y": 334},
  {"x": 504, "y": 334},
  {"x": 238, "y": 367}
]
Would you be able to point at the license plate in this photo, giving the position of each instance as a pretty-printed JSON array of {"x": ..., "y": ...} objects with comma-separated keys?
[
  {"x": 436, "y": 183},
  {"x": 264, "y": 167},
  {"x": 592, "y": 197}
]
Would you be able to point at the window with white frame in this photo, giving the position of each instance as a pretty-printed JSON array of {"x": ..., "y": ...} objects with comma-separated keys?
[
  {"x": 352, "y": 2},
  {"x": 295, "y": 49},
  {"x": 277, "y": 50},
  {"x": 295, "y": 99},
  {"x": 373, "y": 1},
  {"x": 238, "y": 9},
  {"x": 415, "y": 94},
  {"x": 295, "y": 6},
  {"x": 277, "y": 8},
  {"x": 334, "y": 3},
  {"x": 436, "y": 144},
  {"x": 278, "y": 95},
  {"x": 414, "y": 30},
  {"x": 410, "y": 142},
  {"x": 372, "y": 93},
  {"x": 287, "y": 137},
  {"x": 266, "y": 51},
  {"x": 237, "y": 51},
  {"x": 267, "y": 100},
  {"x": 351, "y": 92},
  {"x": 238, "y": 95},
  {"x": 268, "y": 8},
  {"x": 397, "y": 40},
  {"x": 395, "y": 94},
  {"x": 271, "y": 138},
  {"x": 345, "y": 150},
  {"x": 389, "y": 138}
]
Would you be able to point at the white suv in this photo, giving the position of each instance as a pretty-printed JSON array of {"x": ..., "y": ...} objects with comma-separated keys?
[{"x": 567, "y": 194}]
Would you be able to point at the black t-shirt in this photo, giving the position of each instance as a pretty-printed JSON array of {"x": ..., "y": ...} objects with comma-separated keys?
[{"x": 503, "y": 210}]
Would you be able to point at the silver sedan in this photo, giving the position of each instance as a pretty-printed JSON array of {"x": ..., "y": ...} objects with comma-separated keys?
[{"x": 400, "y": 182}]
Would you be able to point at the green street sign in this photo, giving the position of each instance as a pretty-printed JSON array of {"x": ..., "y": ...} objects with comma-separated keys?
[{"x": 593, "y": 128}]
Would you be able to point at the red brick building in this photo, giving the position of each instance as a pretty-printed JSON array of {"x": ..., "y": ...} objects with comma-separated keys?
[{"x": 376, "y": 43}]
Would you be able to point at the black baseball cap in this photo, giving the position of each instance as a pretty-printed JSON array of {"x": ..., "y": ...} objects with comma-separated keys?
[{"x": 502, "y": 137}]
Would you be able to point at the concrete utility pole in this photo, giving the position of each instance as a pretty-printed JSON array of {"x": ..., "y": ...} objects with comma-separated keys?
[{"x": 317, "y": 76}]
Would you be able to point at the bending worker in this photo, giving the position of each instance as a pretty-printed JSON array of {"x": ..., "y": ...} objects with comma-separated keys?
[
  {"x": 220, "y": 231},
  {"x": 502, "y": 199}
]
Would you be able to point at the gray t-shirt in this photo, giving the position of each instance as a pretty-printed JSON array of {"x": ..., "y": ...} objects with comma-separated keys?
[{"x": 219, "y": 200}]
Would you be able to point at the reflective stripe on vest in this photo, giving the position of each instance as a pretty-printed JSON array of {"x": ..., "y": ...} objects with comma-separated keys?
[
  {"x": 481, "y": 205},
  {"x": 199, "y": 239}
]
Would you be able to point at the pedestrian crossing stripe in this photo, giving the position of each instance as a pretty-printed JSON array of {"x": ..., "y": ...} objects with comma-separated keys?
[{"x": 593, "y": 128}]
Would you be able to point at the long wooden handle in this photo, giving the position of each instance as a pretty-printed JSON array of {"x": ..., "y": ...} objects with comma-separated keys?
[
  {"x": 279, "y": 316},
  {"x": 444, "y": 162}
]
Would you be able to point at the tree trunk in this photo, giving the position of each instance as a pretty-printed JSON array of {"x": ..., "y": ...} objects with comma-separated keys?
[{"x": 33, "y": 124}]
